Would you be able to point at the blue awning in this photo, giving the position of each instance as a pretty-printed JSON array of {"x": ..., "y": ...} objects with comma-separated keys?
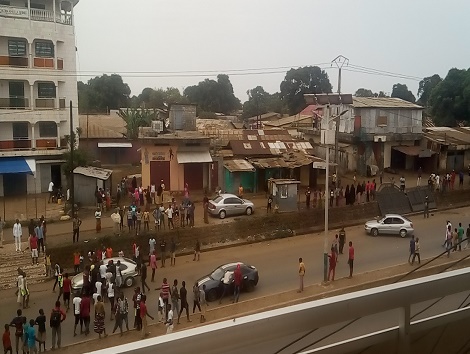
[{"x": 17, "y": 165}]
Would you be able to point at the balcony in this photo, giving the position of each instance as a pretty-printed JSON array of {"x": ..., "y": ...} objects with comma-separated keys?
[
  {"x": 43, "y": 63},
  {"x": 20, "y": 62},
  {"x": 45, "y": 103},
  {"x": 14, "y": 103},
  {"x": 27, "y": 144},
  {"x": 35, "y": 14},
  {"x": 15, "y": 145},
  {"x": 46, "y": 144}
]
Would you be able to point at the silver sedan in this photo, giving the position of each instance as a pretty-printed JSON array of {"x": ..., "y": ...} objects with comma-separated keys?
[
  {"x": 229, "y": 204},
  {"x": 128, "y": 270},
  {"x": 390, "y": 224}
]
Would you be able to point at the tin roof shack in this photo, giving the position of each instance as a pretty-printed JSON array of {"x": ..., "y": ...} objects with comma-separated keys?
[
  {"x": 285, "y": 194},
  {"x": 86, "y": 179}
]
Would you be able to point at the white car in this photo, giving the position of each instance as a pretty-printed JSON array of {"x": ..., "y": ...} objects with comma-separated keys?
[
  {"x": 390, "y": 224},
  {"x": 229, "y": 204}
]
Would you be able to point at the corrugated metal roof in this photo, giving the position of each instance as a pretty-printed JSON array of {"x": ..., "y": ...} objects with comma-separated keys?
[
  {"x": 448, "y": 136},
  {"x": 255, "y": 147},
  {"x": 286, "y": 160},
  {"x": 95, "y": 172},
  {"x": 383, "y": 102},
  {"x": 193, "y": 156},
  {"x": 102, "y": 126},
  {"x": 290, "y": 121},
  {"x": 414, "y": 150},
  {"x": 238, "y": 165}
]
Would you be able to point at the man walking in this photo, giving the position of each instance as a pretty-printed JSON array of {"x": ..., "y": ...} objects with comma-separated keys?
[
  {"x": 143, "y": 276},
  {"x": 57, "y": 317},
  {"x": 332, "y": 258},
  {"x": 203, "y": 302},
  {"x": 33, "y": 246},
  {"x": 50, "y": 189},
  {"x": 77, "y": 300},
  {"x": 342, "y": 240},
  {"x": 460, "y": 233},
  {"x": 76, "y": 222},
  {"x": 173, "y": 252},
  {"x": 175, "y": 297},
  {"x": 17, "y": 322},
  {"x": 163, "y": 251},
  {"x": 85, "y": 306},
  {"x": 301, "y": 275},
  {"x": 143, "y": 316},
  {"x": 184, "y": 301},
  {"x": 17, "y": 233},
  {"x": 169, "y": 320},
  {"x": 39, "y": 231},
  {"x": 351, "y": 259},
  {"x": 237, "y": 280},
  {"x": 227, "y": 281},
  {"x": 417, "y": 249},
  {"x": 426, "y": 208},
  {"x": 412, "y": 248}
]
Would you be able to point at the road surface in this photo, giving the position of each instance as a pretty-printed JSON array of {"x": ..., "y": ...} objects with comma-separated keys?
[{"x": 277, "y": 262}]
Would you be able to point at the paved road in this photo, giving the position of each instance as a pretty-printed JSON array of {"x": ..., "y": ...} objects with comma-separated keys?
[{"x": 276, "y": 262}]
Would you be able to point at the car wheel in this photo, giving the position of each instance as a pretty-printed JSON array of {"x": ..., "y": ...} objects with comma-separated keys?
[
  {"x": 374, "y": 232},
  {"x": 129, "y": 282},
  {"x": 403, "y": 233},
  {"x": 212, "y": 295},
  {"x": 222, "y": 214},
  {"x": 249, "y": 211},
  {"x": 250, "y": 286}
]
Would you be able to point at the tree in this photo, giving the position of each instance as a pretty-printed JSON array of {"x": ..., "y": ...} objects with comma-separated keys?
[
  {"x": 425, "y": 88},
  {"x": 138, "y": 117},
  {"x": 103, "y": 93},
  {"x": 297, "y": 82},
  {"x": 157, "y": 98},
  {"x": 260, "y": 102},
  {"x": 362, "y": 92},
  {"x": 401, "y": 91},
  {"x": 450, "y": 99},
  {"x": 81, "y": 157},
  {"x": 213, "y": 96}
]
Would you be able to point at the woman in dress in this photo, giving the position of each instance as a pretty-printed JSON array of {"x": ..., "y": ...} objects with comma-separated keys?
[
  {"x": 99, "y": 317},
  {"x": 98, "y": 219}
]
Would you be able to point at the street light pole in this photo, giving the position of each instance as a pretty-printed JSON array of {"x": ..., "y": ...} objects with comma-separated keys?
[{"x": 72, "y": 182}]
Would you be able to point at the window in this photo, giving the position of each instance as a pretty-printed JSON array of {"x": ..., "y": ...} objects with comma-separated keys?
[
  {"x": 16, "y": 47},
  {"x": 47, "y": 129},
  {"x": 20, "y": 131},
  {"x": 36, "y": 6},
  {"x": 283, "y": 189},
  {"x": 398, "y": 221},
  {"x": 5, "y": 2},
  {"x": 381, "y": 121},
  {"x": 46, "y": 90},
  {"x": 44, "y": 49}
]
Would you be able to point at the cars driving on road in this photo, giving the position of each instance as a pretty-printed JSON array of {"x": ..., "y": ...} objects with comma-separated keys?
[
  {"x": 214, "y": 280},
  {"x": 128, "y": 270},
  {"x": 390, "y": 224},
  {"x": 229, "y": 204}
]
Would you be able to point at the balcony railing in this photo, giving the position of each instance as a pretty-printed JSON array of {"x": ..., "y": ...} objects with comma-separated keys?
[
  {"x": 45, "y": 144},
  {"x": 14, "y": 103},
  {"x": 21, "y": 62},
  {"x": 15, "y": 144},
  {"x": 43, "y": 63},
  {"x": 35, "y": 14},
  {"x": 45, "y": 103}
]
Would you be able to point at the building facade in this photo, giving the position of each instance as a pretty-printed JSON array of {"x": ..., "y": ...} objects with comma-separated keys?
[{"x": 37, "y": 82}]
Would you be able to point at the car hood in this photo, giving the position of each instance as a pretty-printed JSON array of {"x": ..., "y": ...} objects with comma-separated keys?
[
  {"x": 372, "y": 223},
  {"x": 77, "y": 281}
]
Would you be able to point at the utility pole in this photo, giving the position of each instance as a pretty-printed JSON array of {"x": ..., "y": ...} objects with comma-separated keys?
[
  {"x": 339, "y": 61},
  {"x": 72, "y": 146}
]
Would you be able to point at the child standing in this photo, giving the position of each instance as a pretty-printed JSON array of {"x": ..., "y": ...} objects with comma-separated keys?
[{"x": 7, "y": 340}]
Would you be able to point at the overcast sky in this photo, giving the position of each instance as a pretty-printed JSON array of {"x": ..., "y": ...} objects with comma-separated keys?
[{"x": 417, "y": 38}]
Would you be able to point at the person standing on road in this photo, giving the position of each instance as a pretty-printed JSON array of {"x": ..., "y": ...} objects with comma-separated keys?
[
  {"x": 418, "y": 181},
  {"x": 455, "y": 237},
  {"x": 203, "y": 301},
  {"x": 143, "y": 276},
  {"x": 57, "y": 317},
  {"x": 76, "y": 312},
  {"x": 351, "y": 259},
  {"x": 237, "y": 280},
  {"x": 111, "y": 292},
  {"x": 301, "y": 275},
  {"x": 152, "y": 244},
  {"x": 17, "y": 322},
  {"x": 100, "y": 315},
  {"x": 175, "y": 297},
  {"x": 85, "y": 305},
  {"x": 165, "y": 291},
  {"x": 227, "y": 281},
  {"x": 136, "y": 300},
  {"x": 467, "y": 235},
  {"x": 143, "y": 316},
  {"x": 169, "y": 320},
  {"x": 33, "y": 246},
  {"x": 98, "y": 219},
  {"x": 342, "y": 240},
  {"x": 173, "y": 252},
  {"x": 41, "y": 322},
  {"x": 184, "y": 301},
  {"x": 50, "y": 189},
  {"x": 426, "y": 208},
  {"x": 17, "y": 233},
  {"x": 39, "y": 232},
  {"x": 460, "y": 233},
  {"x": 153, "y": 265},
  {"x": 448, "y": 242},
  {"x": 67, "y": 288},
  {"x": 332, "y": 259},
  {"x": 412, "y": 248},
  {"x": 402, "y": 183},
  {"x": 163, "y": 251},
  {"x": 307, "y": 197},
  {"x": 417, "y": 250},
  {"x": 76, "y": 222},
  {"x": 196, "y": 298},
  {"x": 197, "y": 251},
  {"x": 269, "y": 207}
]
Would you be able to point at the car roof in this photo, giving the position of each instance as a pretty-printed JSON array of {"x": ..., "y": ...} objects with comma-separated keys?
[
  {"x": 394, "y": 216},
  {"x": 231, "y": 265},
  {"x": 228, "y": 195}
]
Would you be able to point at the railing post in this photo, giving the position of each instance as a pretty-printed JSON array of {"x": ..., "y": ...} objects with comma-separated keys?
[{"x": 404, "y": 324}]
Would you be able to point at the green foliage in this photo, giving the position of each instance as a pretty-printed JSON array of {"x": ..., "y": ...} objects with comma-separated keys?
[
  {"x": 260, "y": 102},
  {"x": 102, "y": 93},
  {"x": 425, "y": 88},
  {"x": 81, "y": 157},
  {"x": 297, "y": 82},
  {"x": 362, "y": 92},
  {"x": 158, "y": 98},
  {"x": 136, "y": 118},
  {"x": 213, "y": 96},
  {"x": 450, "y": 99},
  {"x": 401, "y": 91}
]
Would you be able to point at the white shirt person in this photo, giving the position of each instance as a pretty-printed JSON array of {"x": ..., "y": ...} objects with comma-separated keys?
[{"x": 17, "y": 233}]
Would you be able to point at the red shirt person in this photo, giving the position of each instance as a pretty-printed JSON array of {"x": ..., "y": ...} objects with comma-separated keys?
[
  {"x": 351, "y": 259},
  {"x": 332, "y": 257},
  {"x": 237, "y": 279}
]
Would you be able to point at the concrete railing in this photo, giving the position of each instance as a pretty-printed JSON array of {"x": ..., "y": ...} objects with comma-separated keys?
[{"x": 293, "y": 321}]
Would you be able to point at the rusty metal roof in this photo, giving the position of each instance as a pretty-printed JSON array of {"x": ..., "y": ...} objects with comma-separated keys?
[
  {"x": 291, "y": 160},
  {"x": 259, "y": 148},
  {"x": 448, "y": 136},
  {"x": 238, "y": 165},
  {"x": 383, "y": 102}
]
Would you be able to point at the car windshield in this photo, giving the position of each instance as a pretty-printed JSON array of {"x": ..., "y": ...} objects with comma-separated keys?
[
  {"x": 217, "y": 199},
  {"x": 217, "y": 274}
]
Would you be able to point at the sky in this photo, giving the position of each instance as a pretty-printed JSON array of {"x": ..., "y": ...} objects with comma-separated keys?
[{"x": 163, "y": 43}]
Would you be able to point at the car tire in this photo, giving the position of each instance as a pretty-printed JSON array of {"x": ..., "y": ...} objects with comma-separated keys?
[
  {"x": 402, "y": 233},
  {"x": 249, "y": 211},
  {"x": 374, "y": 232},
  {"x": 250, "y": 286},
  {"x": 211, "y": 295},
  {"x": 222, "y": 214},
  {"x": 129, "y": 282}
]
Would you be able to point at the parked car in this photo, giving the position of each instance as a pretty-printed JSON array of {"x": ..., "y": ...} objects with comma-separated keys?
[
  {"x": 128, "y": 270},
  {"x": 390, "y": 224},
  {"x": 214, "y": 281},
  {"x": 229, "y": 204}
]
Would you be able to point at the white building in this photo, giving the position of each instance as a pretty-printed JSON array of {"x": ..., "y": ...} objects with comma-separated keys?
[{"x": 37, "y": 82}]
